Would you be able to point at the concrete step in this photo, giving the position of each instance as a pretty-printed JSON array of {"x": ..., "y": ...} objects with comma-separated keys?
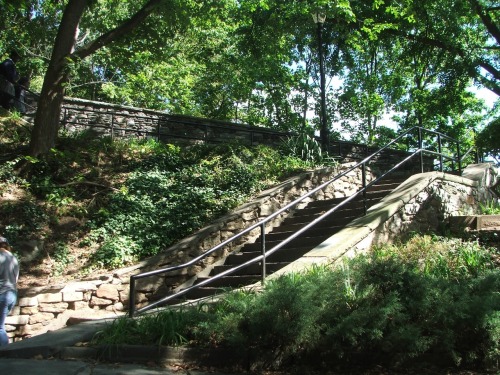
[
  {"x": 253, "y": 269},
  {"x": 327, "y": 205},
  {"x": 283, "y": 255},
  {"x": 341, "y": 213},
  {"x": 231, "y": 281},
  {"x": 316, "y": 231},
  {"x": 297, "y": 242},
  {"x": 373, "y": 195}
]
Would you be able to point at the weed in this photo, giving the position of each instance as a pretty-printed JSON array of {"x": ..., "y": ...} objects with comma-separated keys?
[
  {"x": 491, "y": 207},
  {"x": 62, "y": 258}
]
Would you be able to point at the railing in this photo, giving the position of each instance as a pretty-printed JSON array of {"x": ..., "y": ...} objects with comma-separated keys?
[
  {"x": 182, "y": 129},
  {"x": 443, "y": 143}
]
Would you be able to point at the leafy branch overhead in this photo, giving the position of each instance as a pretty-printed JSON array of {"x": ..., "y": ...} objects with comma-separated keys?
[{"x": 388, "y": 64}]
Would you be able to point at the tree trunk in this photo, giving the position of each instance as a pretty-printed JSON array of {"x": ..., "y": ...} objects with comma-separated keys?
[
  {"x": 49, "y": 105},
  {"x": 48, "y": 111}
]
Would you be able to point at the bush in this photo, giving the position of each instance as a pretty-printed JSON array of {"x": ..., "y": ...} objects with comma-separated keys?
[
  {"x": 395, "y": 308},
  {"x": 172, "y": 193}
]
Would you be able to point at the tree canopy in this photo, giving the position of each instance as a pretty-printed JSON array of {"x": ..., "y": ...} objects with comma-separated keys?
[{"x": 256, "y": 61}]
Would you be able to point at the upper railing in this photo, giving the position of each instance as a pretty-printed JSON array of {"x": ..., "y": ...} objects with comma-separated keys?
[{"x": 434, "y": 151}]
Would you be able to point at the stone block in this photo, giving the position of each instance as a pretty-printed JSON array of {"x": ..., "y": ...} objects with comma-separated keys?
[
  {"x": 16, "y": 311},
  {"x": 28, "y": 301},
  {"x": 17, "y": 320},
  {"x": 29, "y": 310},
  {"x": 82, "y": 286},
  {"x": 9, "y": 328},
  {"x": 78, "y": 305},
  {"x": 49, "y": 297},
  {"x": 108, "y": 291},
  {"x": 53, "y": 307},
  {"x": 72, "y": 296},
  {"x": 98, "y": 302},
  {"x": 40, "y": 318},
  {"x": 31, "y": 329}
]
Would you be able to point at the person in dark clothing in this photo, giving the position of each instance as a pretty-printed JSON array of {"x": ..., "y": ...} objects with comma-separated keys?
[
  {"x": 20, "y": 99},
  {"x": 8, "y": 79}
]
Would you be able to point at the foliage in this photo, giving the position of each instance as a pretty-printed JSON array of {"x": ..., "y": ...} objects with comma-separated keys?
[
  {"x": 136, "y": 197},
  {"x": 431, "y": 300},
  {"x": 172, "y": 192},
  {"x": 61, "y": 257},
  {"x": 380, "y": 58},
  {"x": 306, "y": 148},
  {"x": 488, "y": 139},
  {"x": 30, "y": 218},
  {"x": 491, "y": 207}
]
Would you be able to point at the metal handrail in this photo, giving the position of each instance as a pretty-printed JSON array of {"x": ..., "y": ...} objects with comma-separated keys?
[{"x": 262, "y": 224}]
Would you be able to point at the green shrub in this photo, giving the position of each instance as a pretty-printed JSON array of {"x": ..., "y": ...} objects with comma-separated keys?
[
  {"x": 116, "y": 251},
  {"x": 61, "y": 256},
  {"x": 392, "y": 308},
  {"x": 26, "y": 219},
  {"x": 306, "y": 148}
]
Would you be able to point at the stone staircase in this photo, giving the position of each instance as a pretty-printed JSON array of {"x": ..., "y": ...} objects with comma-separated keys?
[{"x": 294, "y": 249}]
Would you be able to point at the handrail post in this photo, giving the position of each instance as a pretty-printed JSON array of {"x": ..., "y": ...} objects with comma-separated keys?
[
  {"x": 459, "y": 156},
  {"x": 263, "y": 250},
  {"x": 158, "y": 127},
  {"x": 363, "y": 179},
  {"x": 112, "y": 126},
  {"x": 420, "y": 145},
  {"x": 131, "y": 297},
  {"x": 440, "y": 153}
]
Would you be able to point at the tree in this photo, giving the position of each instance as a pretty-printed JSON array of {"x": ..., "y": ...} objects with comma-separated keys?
[
  {"x": 488, "y": 140},
  {"x": 63, "y": 54},
  {"x": 466, "y": 30},
  {"x": 255, "y": 61}
]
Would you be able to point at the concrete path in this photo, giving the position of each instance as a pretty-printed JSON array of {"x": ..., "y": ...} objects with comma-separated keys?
[
  {"x": 58, "y": 352},
  {"x": 12, "y": 366}
]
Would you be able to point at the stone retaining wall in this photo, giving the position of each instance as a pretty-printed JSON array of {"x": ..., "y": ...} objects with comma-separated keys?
[
  {"x": 118, "y": 121},
  {"x": 431, "y": 209},
  {"x": 43, "y": 309}
]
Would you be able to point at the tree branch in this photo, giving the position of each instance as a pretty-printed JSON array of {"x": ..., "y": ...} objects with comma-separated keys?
[
  {"x": 119, "y": 31},
  {"x": 493, "y": 85},
  {"x": 490, "y": 25}
]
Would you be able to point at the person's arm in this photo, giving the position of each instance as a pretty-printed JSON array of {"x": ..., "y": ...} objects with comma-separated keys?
[{"x": 16, "y": 269}]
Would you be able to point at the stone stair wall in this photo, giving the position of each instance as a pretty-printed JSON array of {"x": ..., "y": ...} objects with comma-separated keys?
[
  {"x": 39, "y": 310},
  {"x": 425, "y": 202}
]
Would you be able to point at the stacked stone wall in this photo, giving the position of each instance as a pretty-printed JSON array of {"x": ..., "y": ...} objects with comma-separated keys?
[
  {"x": 431, "y": 209},
  {"x": 43, "y": 309},
  {"x": 118, "y": 121}
]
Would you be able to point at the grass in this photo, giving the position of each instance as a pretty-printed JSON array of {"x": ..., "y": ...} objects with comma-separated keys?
[{"x": 491, "y": 207}]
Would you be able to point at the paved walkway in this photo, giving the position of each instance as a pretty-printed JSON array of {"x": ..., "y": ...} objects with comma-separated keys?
[
  {"x": 10, "y": 366},
  {"x": 56, "y": 352}
]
